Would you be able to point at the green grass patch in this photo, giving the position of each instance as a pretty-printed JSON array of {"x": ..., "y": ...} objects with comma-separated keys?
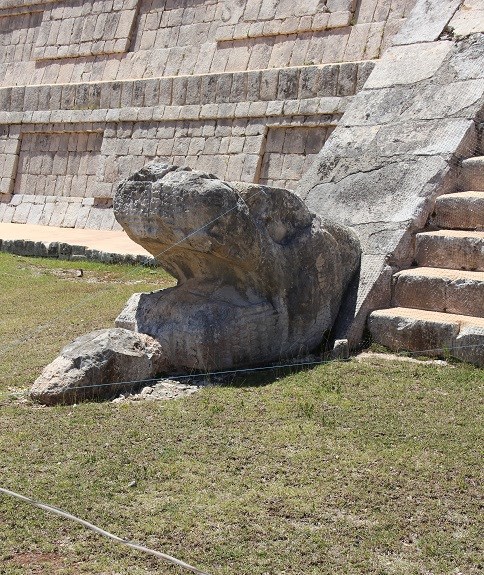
[
  {"x": 45, "y": 305},
  {"x": 351, "y": 468}
]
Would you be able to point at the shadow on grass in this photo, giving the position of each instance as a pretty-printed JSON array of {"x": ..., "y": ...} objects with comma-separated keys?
[{"x": 258, "y": 377}]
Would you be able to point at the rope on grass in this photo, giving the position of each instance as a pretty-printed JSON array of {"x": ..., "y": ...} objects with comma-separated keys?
[{"x": 104, "y": 533}]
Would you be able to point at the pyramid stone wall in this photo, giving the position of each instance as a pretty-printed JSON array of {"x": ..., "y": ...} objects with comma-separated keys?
[
  {"x": 91, "y": 91},
  {"x": 400, "y": 145}
]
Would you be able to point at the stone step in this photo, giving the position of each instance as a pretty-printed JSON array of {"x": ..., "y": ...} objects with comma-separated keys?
[
  {"x": 451, "y": 249},
  {"x": 443, "y": 290},
  {"x": 429, "y": 333},
  {"x": 461, "y": 211},
  {"x": 472, "y": 177}
]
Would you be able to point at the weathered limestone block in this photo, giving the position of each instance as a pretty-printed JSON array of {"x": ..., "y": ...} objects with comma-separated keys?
[
  {"x": 442, "y": 290},
  {"x": 473, "y": 173},
  {"x": 469, "y": 345},
  {"x": 260, "y": 277},
  {"x": 469, "y": 19},
  {"x": 414, "y": 329},
  {"x": 92, "y": 366},
  {"x": 426, "y": 21},
  {"x": 460, "y": 211},
  {"x": 453, "y": 249},
  {"x": 430, "y": 333}
]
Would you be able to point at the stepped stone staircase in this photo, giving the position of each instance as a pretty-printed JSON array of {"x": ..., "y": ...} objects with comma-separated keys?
[{"x": 439, "y": 305}]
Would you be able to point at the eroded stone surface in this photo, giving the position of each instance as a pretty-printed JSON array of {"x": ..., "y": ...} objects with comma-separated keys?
[
  {"x": 453, "y": 249},
  {"x": 163, "y": 390},
  {"x": 430, "y": 333},
  {"x": 402, "y": 329},
  {"x": 460, "y": 211},
  {"x": 393, "y": 153},
  {"x": 473, "y": 173},
  {"x": 427, "y": 21},
  {"x": 94, "y": 365},
  {"x": 469, "y": 19},
  {"x": 469, "y": 345},
  {"x": 443, "y": 290},
  {"x": 260, "y": 277}
]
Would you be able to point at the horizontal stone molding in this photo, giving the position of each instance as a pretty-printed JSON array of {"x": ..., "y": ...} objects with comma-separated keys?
[
  {"x": 317, "y": 23},
  {"x": 7, "y": 4},
  {"x": 297, "y": 83},
  {"x": 309, "y": 107},
  {"x": 235, "y": 12},
  {"x": 21, "y": 11},
  {"x": 72, "y": 252},
  {"x": 60, "y": 52}
]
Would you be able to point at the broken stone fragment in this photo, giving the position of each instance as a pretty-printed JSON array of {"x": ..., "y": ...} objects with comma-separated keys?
[
  {"x": 94, "y": 365},
  {"x": 260, "y": 277}
]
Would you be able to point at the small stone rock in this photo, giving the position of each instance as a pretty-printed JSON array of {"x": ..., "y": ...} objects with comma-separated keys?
[
  {"x": 98, "y": 365},
  {"x": 163, "y": 390}
]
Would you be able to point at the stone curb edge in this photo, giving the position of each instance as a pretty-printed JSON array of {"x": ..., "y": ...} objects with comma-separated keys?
[{"x": 71, "y": 252}]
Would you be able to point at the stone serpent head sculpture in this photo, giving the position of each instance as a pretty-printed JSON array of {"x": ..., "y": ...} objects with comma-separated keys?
[{"x": 260, "y": 279}]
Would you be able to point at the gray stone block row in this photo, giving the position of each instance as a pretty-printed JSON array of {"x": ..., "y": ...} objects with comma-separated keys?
[
  {"x": 181, "y": 40},
  {"x": 58, "y": 211},
  {"x": 178, "y": 26},
  {"x": 64, "y": 251},
  {"x": 237, "y": 14},
  {"x": 18, "y": 35},
  {"x": 266, "y": 85},
  {"x": 24, "y": 3},
  {"x": 235, "y": 149},
  {"x": 376, "y": 10},
  {"x": 290, "y": 24},
  {"x": 83, "y": 29},
  {"x": 259, "y": 109}
]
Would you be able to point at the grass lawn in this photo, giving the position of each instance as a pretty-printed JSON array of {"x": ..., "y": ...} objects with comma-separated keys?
[{"x": 349, "y": 468}]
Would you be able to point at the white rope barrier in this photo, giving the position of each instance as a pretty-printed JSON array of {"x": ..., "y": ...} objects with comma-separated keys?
[{"x": 99, "y": 531}]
